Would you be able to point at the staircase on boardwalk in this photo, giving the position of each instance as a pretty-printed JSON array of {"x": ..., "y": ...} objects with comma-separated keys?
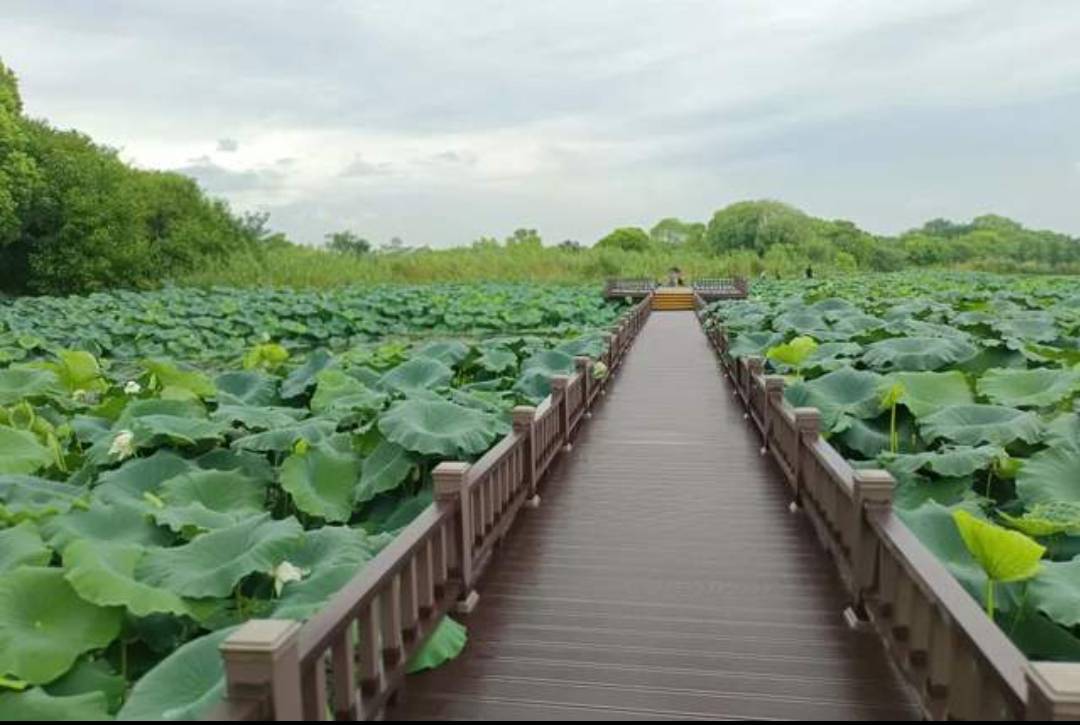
[{"x": 673, "y": 298}]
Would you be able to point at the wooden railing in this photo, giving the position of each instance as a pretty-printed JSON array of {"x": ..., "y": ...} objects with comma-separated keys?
[
  {"x": 961, "y": 665},
  {"x": 725, "y": 288},
  {"x": 347, "y": 662},
  {"x": 631, "y": 286}
]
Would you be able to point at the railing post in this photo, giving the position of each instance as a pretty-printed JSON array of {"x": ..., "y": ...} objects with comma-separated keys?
[
  {"x": 450, "y": 479},
  {"x": 559, "y": 383},
  {"x": 774, "y": 395},
  {"x": 808, "y": 428},
  {"x": 262, "y": 662},
  {"x": 1053, "y": 691},
  {"x": 584, "y": 365},
  {"x": 872, "y": 490},
  {"x": 524, "y": 417}
]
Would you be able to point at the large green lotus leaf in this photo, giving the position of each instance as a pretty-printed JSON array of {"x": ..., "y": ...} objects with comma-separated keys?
[
  {"x": 448, "y": 352},
  {"x": 441, "y": 428},
  {"x": 496, "y": 360},
  {"x": 928, "y": 392},
  {"x": 246, "y": 388},
  {"x": 151, "y": 430},
  {"x": 21, "y": 452},
  {"x": 1064, "y": 430},
  {"x": 913, "y": 490},
  {"x": 252, "y": 465},
  {"x": 173, "y": 379},
  {"x": 843, "y": 392},
  {"x": 446, "y": 643},
  {"x": 870, "y": 436},
  {"x": 971, "y": 425},
  {"x": 45, "y": 625},
  {"x": 1041, "y": 639},
  {"x": 1036, "y": 388},
  {"x": 184, "y": 685},
  {"x": 90, "y": 677},
  {"x": 801, "y": 320},
  {"x": 933, "y": 524},
  {"x": 35, "y": 704},
  {"x": 103, "y": 573},
  {"x": 151, "y": 407},
  {"x": 590, "y": 345},
  {"x": 1004, "y": 555},
  {"x": 419, "y": 373},
  {"x": 1049, "y": 476},
  {"x": 550, "y": 363},
  {"x": 1055, "y": 591},
  {"x": 258, "y": 418},
  {"x": 17, "y": 383},
  {"x": 832, "y": 355},
  {"x": 534, "y": 384},
  {"x": 312, "y": 430},
  {"x": 205, "y": 500},
  {"x": 22, "y": 545},
  {"x": 390, "y": 513},
  {"x": 1047, "y": 519},
  {"x": 330, "y": 557},
  {"x": 948, "y": 461},
  {"x": 322, "y": 481},
  {"x": 27, "y": 498},
  {"x": 337, "y": 390},
  {"x": 792, "y": 354},
  {"x": 753, "y": 343},
  {"x": 917, "y": 353},
  {"x": 299, "y": 380},
  {"x": 120, "y": 521},
  {"x": 388, "y": 466},
  {"x": 77, "y": 370},
  {"x": 136, "y": 476},
  {"x": 212, "y": 564}
]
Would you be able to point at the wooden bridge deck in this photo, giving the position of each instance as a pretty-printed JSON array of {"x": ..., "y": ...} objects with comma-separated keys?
[{"x": 663, "y": 576}]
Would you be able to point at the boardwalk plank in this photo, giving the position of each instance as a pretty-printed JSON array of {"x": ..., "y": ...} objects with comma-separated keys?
[{"x": 663, "y": 576}]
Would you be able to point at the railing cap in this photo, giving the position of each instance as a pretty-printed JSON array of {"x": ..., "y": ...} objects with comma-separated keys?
[
  {"x": 259, "y": 638},
  {"x": 873, "y": 485},
  {"x": 808, "y": 420},
  {"x": 449, "y": 478},
  {"x": 774, "y": 383},
  {"x": 559, "y": 382},
  {"x": 523, "y": 416},
  {"x": 1058, "y": 682}
]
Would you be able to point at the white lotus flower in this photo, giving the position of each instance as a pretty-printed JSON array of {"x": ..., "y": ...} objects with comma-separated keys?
[
  {"x": 132, "y": 387},
  {"x": 284, "y": 573},
  {"x": 599, "y": 371},
  {"x": 123, "y": 445}
]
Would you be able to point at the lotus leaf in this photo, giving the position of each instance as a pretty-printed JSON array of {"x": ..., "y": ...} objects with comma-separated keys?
[
  {"x": 45, "y": 625},
  {"x": 322, "y": 481},
  {"x": 439, "y": 428},
  {"x": 971, "y": 425},
  {"x": 1036, "y": 388}
]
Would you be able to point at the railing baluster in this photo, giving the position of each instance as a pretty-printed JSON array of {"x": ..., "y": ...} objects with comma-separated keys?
[
  {"x": 370, "y": 661},
  {"x": 410, "y": 604},
  {"x": 425, "y": 579},
  {"x": 390, "y": 609},
  {"x": 314, "y": 688},
  {"x": 342, "y": 663}
]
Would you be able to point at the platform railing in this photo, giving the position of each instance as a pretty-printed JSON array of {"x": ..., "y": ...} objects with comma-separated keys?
[
  {"x": 957, "y": 660},
  {"x": 348, "y": 661}
]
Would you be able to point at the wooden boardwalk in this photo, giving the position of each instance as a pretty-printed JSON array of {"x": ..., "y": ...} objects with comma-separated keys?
[{"x": 663, "y": 576}]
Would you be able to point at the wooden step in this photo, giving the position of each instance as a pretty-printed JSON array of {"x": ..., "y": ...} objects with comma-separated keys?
[{"x": 673, "y": 298}]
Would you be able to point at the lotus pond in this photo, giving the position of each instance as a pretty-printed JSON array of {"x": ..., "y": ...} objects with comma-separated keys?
[
  {"x": 176, "y": 462},
  {"x": 964, "y": 387}
]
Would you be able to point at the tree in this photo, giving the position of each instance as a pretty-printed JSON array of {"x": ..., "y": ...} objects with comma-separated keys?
[
  {"x": 486, "y": 243},
  {"x": 757, "y": 225},
  {"x": 524, "y": 238},
  {"x": 570, "y": 244},
  {"x": 347, "y": 242},
  {"x": 395, "y": 246},
  {"x": 630, "y": 239},
  {"x": 677, "y": 232}
]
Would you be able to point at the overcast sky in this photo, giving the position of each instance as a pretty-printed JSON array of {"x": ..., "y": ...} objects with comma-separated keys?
[{"x": 442, "y": 121}]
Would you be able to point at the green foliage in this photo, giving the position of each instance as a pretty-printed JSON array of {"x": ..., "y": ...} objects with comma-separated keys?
[
  {"x": 347, "y": 242},
  {"x": 628, "y": 239}
]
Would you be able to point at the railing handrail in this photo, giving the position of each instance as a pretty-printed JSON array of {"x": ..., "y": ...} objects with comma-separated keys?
[
  {"x": 275, "y": 668},
  {"x": 868, "y": 541}
]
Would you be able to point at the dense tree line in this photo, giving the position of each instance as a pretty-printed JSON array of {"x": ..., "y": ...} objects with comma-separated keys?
[{"x": 75, "y": 218}]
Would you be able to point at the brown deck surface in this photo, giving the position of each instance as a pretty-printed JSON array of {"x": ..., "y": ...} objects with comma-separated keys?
[{"x": 662, "y": 576}]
